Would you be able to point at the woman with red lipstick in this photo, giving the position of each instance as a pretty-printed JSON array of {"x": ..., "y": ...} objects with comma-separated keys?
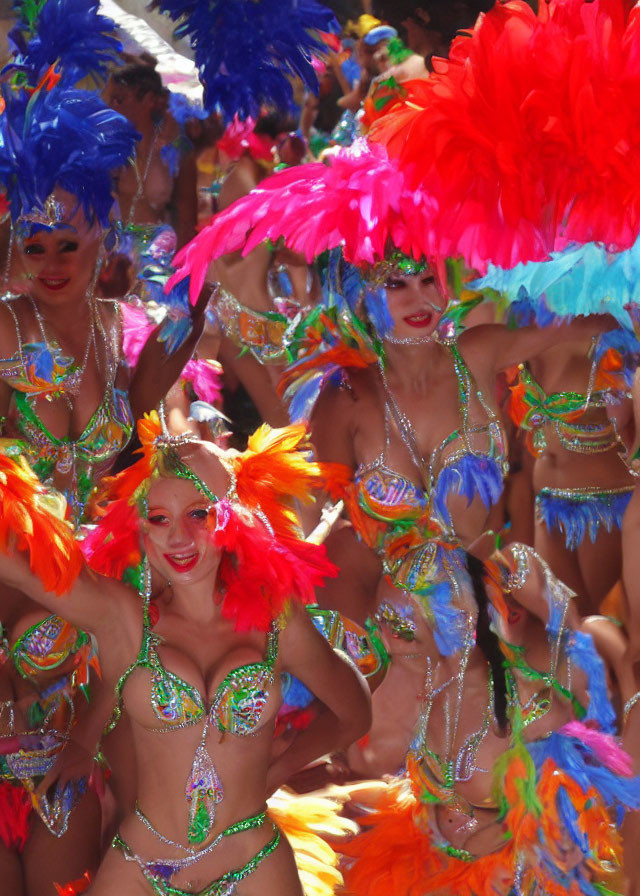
[
  {"x": 196, "y": 664},
  {"x": 66, "y": 405},
  {"x": 393, "y": 391}
]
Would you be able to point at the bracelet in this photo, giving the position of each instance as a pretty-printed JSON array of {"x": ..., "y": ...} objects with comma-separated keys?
[{"x": 631, "y": 702}]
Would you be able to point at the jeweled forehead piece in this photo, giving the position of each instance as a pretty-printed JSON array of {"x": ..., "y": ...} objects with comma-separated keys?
[
  {"x": 396, "y": 264},
  {"x": 169, "y": 446},
  {"x": 53, "y": 214}
]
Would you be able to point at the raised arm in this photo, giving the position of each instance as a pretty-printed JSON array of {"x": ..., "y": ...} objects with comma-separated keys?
[
  {"x": 157, "y": 371},
  {"x": 498, "y": 347}
]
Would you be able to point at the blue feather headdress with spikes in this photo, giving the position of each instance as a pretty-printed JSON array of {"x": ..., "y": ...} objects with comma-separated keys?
[
  {"x": 68, "y": 34},
  {"x": 245, "y": 50},
  {"x": 61, "y": 137}
]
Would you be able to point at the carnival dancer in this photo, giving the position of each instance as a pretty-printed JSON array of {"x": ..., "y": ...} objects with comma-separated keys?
[
  {"x": 216, "y": 526},
  {"x": 423, "y": 483},
  {"x": 67, "y": 400},
  {"x": 576, "y": 426}
]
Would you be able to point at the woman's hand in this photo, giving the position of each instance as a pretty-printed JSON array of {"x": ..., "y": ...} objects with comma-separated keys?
[{"x": 74, "y": 765}]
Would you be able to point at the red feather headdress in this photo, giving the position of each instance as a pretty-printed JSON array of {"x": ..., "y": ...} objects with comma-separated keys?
[{"x": 528, "y": 137}]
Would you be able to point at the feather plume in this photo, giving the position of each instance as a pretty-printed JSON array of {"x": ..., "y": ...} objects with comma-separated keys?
[
  {"x": 359, "y": 200},
  {"x": 62, "y": 137},
  {"x": 205, "y": 377},
  {"x": 27, "y": 521},
  {"x": 328, "y": 343},
  {"x": 308, "y": 821},
  {"x": 586, "y": 279},
  {"x": 114, "y": 545},
  {"x": 471, "y": 476},
  {"x": 240, "y": 137},
  {"x": 526, "y": 138},
  {"x": 71, "y": 35},
  {"x": 258, "y": 574},
  {"x": 276, "y": 470},
  {"x": 247, "y": 50}
]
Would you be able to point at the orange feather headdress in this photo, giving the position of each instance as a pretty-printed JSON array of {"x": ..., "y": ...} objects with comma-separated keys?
[{"x": 265, "y": 561}]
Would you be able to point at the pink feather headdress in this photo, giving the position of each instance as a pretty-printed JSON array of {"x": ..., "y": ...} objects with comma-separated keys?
[
  {"x": 527, "y": 138},
  {"x": 359, "y": 200}
]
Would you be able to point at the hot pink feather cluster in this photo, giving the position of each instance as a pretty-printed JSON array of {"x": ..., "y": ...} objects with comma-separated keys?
[{"x": 359, "y": 199}]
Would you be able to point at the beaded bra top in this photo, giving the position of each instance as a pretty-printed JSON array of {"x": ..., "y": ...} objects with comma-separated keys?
[
  {"x": 237, "y": 704},
  {"x": 236, "y": 708},
  {"x": 39, "y": 370},
  {"x": 46, "y": 646},
  {"x": 458, "y": 465},
  {"x": 614, "y": 361}
]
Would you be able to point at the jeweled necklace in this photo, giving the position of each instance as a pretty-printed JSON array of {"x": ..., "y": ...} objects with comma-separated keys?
[
  {"x": 406, "y": 430},
  {"x": 409, "y": 340},
  {"x": 74, "y": 380}
]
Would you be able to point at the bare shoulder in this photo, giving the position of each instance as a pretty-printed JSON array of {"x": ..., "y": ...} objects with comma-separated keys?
[
  {"x": 120, "y": 622},
  {"x": 331, "y": 425}
]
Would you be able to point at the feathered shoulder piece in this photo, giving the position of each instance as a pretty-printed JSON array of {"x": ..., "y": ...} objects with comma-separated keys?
[
  {"x": 360, "y": 200},
  {"x": 32, "y": 519},
  {"x": 325, "y": 346},
  {"x": 61, "y": 137},
  {"x": 277, "y": 469},
  {"x": 246, "y": 51},
  {"x": 526, "y": 139},
  {"x": 70, "y": 35}
]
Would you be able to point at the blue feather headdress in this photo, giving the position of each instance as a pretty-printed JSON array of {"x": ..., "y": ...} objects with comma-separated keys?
[
  {"x": 246, "y": 50},
  {"x": 61, "y": 137},
  {"x": 68, "y": 34},
  {"x": 582, "y": 279}
]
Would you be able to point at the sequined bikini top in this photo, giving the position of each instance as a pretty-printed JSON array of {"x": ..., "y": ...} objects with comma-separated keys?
[
  {"x": 455, "y": 466},
  {"x": 614, "y": 361},
  {"x": 46, "y": 645},
  {"x": 41, "y": 370},
  {"x": 238, "y": 702}
]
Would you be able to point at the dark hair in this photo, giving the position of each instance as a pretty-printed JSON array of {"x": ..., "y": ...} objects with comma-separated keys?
[
  {"x": 446, "y": 17},
  {"x": 488, "y": 641},
  {"x": 275, "y": 122},
  {"x": 139, "y": 77}
]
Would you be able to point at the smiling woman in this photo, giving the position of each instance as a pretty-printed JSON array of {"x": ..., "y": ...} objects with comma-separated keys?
[
  {"x": 197, "y": 668},
  {"x": 67, "y": 405}
]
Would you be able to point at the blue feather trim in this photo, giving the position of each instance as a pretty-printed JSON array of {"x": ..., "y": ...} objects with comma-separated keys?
[
  {"x": 247, "y": 50},
  {"x": 68, "y": 33},
  {"x": 472, "y": 475},
  {"x": 582, "y": 514},
  {"x": 343, "y": 284},
  {"x": 578, "y": 760},
  {"x": 626, "y": 344},
  {"x": 579, "y": 280},
  {"x": 581, "y": 650}
]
